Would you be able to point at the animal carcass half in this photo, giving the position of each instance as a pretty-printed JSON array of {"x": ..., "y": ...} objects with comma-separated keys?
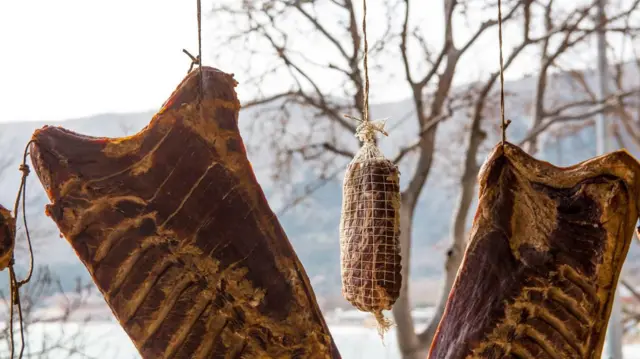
[
  {"x": 177, "y": 234},
  {"x": 546, "y": 250}
]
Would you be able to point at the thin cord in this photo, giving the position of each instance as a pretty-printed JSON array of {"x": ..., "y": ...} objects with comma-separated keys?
[
  {"x": 365, "y": 109},
  {"x": 504, "y": 123},
  {"x": 367, "y": 129},
  {"x": 199, "y": 33},
  {"x": 197, "y": 60},
  {"x": 200, "y": 49},
  {"x": 15, "y": 284}
]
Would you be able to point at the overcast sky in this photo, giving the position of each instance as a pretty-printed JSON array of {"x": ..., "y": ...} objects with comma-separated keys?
[{"x": 71, "y": 58}]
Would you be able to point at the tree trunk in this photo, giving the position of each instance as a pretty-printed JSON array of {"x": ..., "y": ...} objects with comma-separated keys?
[
  {"x": 458, "y": 231},
  {"x": 408, "y": 342},
  {"x": 538, "y": 106},
  {"x": 412, "y": 345}
]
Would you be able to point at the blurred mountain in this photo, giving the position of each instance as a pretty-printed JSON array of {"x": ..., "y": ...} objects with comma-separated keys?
[{"x": 312, "y": 227}]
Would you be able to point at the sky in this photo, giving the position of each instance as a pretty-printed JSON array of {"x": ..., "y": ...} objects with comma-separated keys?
[
  {"x": 66, "y": 59},
  {"x": 71, "y": 58}
]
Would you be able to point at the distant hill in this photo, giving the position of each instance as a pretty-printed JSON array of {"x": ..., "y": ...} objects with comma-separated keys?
[{"x": 313, "y": 227}]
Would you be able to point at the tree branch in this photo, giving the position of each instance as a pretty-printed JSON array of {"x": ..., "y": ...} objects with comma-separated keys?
[
  {"x": 322, "y": 29},
  {"x": 600, "y": 107},
  {"x": 269, "y": 99}
]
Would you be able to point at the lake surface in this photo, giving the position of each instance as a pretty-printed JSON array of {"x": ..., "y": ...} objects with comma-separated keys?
[{"x": 107, "y": 340}]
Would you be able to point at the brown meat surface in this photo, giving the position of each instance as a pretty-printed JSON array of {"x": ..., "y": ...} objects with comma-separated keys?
[
  {"x": 7, "y": 237},
  {"x": 178, "y": 236},
  {"x": 546, "y": 249},
  {"x": 370, "y": 248}
]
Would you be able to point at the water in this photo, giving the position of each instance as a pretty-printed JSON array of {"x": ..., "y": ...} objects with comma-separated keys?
[{"x": 108, "y": 340}]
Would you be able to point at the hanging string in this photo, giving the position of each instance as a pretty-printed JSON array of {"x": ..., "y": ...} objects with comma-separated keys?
[
  {"x": 367, "y": 129},
  {"x": 14, "y": 282},
  {"x": 199, "y": 6},
  {"x": 503, "y": 124},
  {"x": 365, "y": 94},
  {"x": 197, "y": 60}
]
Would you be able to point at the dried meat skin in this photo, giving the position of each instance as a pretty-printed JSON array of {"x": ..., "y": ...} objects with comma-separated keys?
[
  {"x": 543, "y": 260},
  {"x": 370, "y": 262},
  {"x": 7, "y": 237},
  {"x": 177, "y": 233},
  {"x": 370, "y": 249}
]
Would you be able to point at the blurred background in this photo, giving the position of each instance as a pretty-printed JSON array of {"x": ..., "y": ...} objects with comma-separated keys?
[{"x": 103, "y": 68}]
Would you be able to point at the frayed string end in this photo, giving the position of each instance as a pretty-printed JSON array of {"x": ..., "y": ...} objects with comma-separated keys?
[{"x": 384, "y": 324}]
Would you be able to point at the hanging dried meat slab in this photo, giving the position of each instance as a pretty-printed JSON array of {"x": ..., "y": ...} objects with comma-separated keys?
[
  {"x": 541, "y": 268},
  {"x": 177, "y": 234},
  {"x": 7, "y": 237}
]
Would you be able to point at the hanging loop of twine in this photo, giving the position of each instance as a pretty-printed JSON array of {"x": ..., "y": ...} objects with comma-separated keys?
[{"x": 14, "y": 282}]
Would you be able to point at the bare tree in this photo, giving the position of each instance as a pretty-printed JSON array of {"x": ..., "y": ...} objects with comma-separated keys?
[
  {"x": 44, "y": 343},
  {"x": 575, "y": 39},
  {"x": 276, "y": 32},
  {"x": 625, "y": 111},
  {"x": 49, "y": 331}
]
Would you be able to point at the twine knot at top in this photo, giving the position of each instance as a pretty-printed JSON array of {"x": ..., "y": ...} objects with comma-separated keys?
[
  {"x": 195, "y": 60},
  {"x": 24, "y": 169},
  {"x": 366, "y": 130}
]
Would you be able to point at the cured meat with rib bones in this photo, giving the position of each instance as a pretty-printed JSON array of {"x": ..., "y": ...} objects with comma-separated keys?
[
  {"x": 177, "y": 234},
  {"x": 541, "y": 267}
]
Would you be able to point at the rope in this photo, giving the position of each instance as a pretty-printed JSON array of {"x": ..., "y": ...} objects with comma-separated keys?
[
  {"x": 365, "y": 94},
  {"x": 366, "y": 130},
  {"x": 199, "y": 31},
  {"x": 504, "y": 123},
  {"x": 199, "y": 5},
  {"x": 197, "y": 60},
  {"x": 14, "y": 283}
]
